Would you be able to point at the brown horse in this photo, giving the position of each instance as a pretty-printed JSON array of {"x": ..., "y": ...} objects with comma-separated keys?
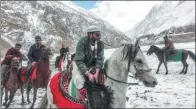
[
  {"x": 42, "y": 74},
  {"x": 13, "y": 83},
  {"x": 160, "y": 55}
]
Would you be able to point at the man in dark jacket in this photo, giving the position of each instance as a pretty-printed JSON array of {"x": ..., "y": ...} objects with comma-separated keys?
[
  {"x": 89, "y": 54},
  {"x": 169, "y": 47},
  {"x": 34, "y": 53},
  {"x": 12, "y": 52},
  {"x": 63, "y": 52}
]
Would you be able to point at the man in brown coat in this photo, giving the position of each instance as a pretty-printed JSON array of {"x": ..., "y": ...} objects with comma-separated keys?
[
  {"x": 169, "y": 47},
  {"x": 12, "y": 52}
]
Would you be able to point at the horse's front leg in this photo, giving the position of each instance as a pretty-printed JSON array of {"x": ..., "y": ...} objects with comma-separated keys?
[
  {"x": 160, "y": 62},
  {"x": 1, "y": 93},
  {"x": 34, "y": 97},
  {"x": 11, "y": 98},
  {"x": 21, "y": 89},
  {"x": 165, "y": 63},
  {"x": 6, "y": 97},
  {"x": 28, "y": 91}
]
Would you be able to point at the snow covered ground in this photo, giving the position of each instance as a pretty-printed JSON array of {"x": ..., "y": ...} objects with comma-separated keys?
[{"x": 173, "y": 90}]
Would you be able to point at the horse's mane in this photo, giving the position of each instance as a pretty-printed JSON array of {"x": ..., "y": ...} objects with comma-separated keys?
[
  {"x": 108, "y": 92},
  {"x": 105, "y": 67},
  {"x": 127, "y": 51},
  {"x": 157, "y": 48}
]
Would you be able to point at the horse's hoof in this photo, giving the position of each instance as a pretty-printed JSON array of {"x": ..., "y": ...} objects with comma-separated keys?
[
  {"x": 28, "y": 101},
  {"x": 31, "y": 107},
  {"x": 22, "y": 103},
  {"x": 4, "y": 104},
  {"x": 166, "y": 73}
]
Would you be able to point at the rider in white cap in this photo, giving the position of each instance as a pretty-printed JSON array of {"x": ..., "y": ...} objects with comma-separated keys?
[{"x": 89, "y": 59}]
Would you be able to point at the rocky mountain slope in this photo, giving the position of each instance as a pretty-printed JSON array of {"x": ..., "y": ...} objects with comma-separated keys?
[{"x": 55, "y": 21}]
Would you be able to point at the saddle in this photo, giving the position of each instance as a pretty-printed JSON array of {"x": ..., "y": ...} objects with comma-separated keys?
[{"x": 172, "y": 53}]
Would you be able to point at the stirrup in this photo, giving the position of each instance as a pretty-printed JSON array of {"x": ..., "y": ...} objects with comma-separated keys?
[{"x": 82, "y": 95}]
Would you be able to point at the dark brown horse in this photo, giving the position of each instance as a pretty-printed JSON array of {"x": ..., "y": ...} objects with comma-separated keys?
[
  {"x": 42, "y": 74},
  {"x": 159, "y": 53},
  {"x": 13, "y": 82}
]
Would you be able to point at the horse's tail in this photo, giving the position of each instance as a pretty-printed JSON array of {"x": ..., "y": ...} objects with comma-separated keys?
[{"x": 192, "y": 55}]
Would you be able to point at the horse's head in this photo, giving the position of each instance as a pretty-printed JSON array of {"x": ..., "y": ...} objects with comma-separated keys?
[
  {"x": 46, "y": 52},
  {"x": 137, "y": 64},
  {"x": 151, "y": 50},
  {"x": 99, "y": 96},
  {"x": 15, "y": 63}
]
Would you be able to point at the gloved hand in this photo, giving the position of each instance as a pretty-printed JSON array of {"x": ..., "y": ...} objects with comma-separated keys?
[
  {"x": 33, "y": 63},
  {"x": 90, "y": 77},
  {"x": 9, "y": 56},
  {"x": 82, "y": 94},
  {"x": 96, "y": 75}
]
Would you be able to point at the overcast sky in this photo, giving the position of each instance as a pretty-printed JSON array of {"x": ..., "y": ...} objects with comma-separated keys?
[{"x": 123, "y": 14}]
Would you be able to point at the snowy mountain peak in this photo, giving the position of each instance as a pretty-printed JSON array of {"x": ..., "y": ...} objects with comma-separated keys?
[{"x": 168, "y": 14}]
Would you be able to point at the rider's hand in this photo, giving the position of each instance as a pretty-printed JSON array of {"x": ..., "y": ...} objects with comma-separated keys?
[
  {"x": 96, "y": 75},
  {"x": 33, "y": 63},
  {"x": 90, "y": 77},
  {"x": 9, "y": 56}
]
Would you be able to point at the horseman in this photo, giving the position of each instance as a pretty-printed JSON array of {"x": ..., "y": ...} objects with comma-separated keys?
[
  {"x": 89, "y": 54},
  {"x": 12, "y": 52},
  {"x": 63, "y": 52},
  {"x": 34, "y": 54},
  {"x": 169, "y": 49}
]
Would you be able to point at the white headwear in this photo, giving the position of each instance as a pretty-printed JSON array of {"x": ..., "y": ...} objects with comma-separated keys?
[{"x": 93, "y": 29}]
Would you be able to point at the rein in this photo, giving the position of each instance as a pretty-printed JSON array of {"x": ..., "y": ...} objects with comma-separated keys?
[
  {"x": 122, "y": 81},
  {"x": 107, "y": 44}
]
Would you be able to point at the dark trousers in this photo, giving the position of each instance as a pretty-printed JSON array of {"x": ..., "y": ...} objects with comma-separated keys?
[{"x": 28, "y": 71}]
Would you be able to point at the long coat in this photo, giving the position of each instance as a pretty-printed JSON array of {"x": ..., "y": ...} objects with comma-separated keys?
[{"x": 85, "y": 57}]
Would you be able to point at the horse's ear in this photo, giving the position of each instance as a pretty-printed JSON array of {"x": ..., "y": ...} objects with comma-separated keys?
[{"x": 137, "y": 42}]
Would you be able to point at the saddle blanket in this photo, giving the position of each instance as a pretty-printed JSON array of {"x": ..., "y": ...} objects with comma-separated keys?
[
  {"x": 175, "y": 57},
  {"x": 59, "y": 98}
]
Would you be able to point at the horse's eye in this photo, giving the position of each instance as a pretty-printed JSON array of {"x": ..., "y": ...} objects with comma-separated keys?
[{"x": 139, "y": 61}]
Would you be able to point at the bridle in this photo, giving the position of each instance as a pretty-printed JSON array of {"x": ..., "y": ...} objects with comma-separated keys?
[{"x": 131, "y": 59}]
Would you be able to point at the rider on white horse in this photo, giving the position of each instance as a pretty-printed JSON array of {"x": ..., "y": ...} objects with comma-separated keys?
[
  {"x": 89, "y": 54},
  {"x": 60, "y": 61}
]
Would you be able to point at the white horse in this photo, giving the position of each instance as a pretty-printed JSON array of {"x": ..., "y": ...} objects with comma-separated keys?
[{"x": 128, "y": 58}]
